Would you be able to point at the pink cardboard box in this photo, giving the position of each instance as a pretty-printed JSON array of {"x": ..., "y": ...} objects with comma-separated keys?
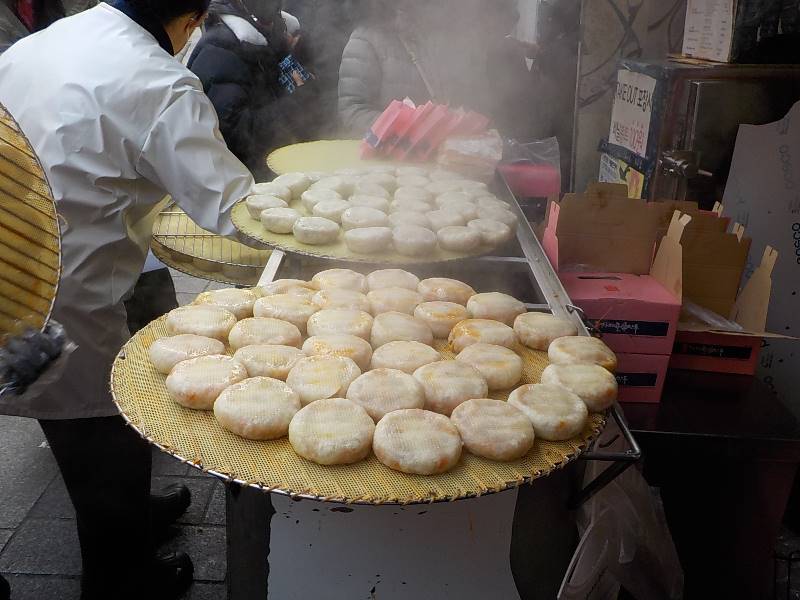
[
  {"x": 641, "y": 377},
  {"x": 716, "y": 352},
  {"x": 635, "y": 313}
]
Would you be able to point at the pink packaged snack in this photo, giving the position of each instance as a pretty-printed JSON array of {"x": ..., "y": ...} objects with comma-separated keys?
[
  {"x": 420, "y": 135},
  {"x": 401, "y": 147},
  {"x": 382, "y": 130}
]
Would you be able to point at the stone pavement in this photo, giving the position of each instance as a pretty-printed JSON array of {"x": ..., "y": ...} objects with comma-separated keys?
[{"x": 39, "y": 552}]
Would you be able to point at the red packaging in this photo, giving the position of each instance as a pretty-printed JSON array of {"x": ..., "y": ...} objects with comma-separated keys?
[
  {"x": 532, "y": 181},
  {"x": 634, "y": 313},
  {"x": 399, "y": 128},
  {"x": 382, "y": 130},
  {"x": 419, "y": 135},
  {"x": 438, "y": 134},
  {"x": 403, "y": 142}
]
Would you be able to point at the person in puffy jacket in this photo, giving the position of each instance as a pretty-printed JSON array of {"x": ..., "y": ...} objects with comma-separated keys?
[
  {"x": 449, "y": 51},
  {"x": 326, "y": 28},
  {"x": 238, "y": 60}
]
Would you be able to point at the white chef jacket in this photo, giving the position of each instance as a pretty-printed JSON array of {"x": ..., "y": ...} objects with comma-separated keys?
[{"x": 116, "y": 122}]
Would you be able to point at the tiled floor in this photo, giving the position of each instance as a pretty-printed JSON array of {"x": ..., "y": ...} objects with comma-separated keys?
[{"x": 35, "y": 511}]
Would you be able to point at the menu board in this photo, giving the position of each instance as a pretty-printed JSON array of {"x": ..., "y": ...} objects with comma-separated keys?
[{"x": 708, "y": 30}]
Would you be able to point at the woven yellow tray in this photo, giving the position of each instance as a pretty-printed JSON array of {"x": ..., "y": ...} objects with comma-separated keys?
[
  {"x": 180, "y": 243},
  {"x": 30, "y": 242},
  {"x": 323, "y": 155},
  {"x": 195, "y": 436},
  {"x": 252, "y": 229}
]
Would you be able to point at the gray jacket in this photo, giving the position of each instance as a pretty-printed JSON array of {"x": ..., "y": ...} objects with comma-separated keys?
[
  {"x": 377, "y": 67},
  {"x": 11, "y": 28},
  {"x": 375, "y": 70}
]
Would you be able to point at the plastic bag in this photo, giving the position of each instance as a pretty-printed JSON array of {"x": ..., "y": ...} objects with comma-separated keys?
[
  {"x": 700, "y": 314},
  {"x": 474, "y": 156},
  {"x": 626, "y": 541},
  {"x": 533, "y": 170},
  {"x": 49, "y": 354}
]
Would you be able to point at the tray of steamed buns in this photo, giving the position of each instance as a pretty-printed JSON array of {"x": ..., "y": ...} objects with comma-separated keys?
[
  {"x": 379, "y": 213},
  {"x": 367, "y": 388}
]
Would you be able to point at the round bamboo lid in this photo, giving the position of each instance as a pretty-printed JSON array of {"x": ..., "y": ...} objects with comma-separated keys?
[{"x": 30, "y": 242}]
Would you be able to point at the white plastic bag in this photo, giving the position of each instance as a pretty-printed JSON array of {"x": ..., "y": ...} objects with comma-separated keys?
[{"x": 626, "y": 541}]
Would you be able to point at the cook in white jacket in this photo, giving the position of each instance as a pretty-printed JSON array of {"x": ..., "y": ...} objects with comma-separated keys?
[{"x": 117, "y": 123}]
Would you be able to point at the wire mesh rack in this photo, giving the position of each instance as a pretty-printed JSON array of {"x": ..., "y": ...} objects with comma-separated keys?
[{"x": 183, "y": 245}]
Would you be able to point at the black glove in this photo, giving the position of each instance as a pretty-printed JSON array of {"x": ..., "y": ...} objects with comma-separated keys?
[{"x": 25, "y": 357}]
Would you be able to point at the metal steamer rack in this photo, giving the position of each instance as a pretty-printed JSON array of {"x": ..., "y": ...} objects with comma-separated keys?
[
  {"x": 524, "y": 272},
  {"x": 183, "y": 245},
  {"x": 520, "y": 269},
  {"x": 526, "y": 266}
]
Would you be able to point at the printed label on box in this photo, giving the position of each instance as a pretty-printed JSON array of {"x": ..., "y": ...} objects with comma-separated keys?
[
  {"x": 633, "y": 108},
  {"x": 637, "y": 379},
  {"x": 648, "y": 328},
  {"x": 713, "y": 350}
]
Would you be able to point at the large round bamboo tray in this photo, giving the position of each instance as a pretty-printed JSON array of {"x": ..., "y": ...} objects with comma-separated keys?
[
  {"x": 322, "y": 155},
  {"x": 180, "y": 243},
  {"x": 30, "y": 240},
  {"x": 196, "y": 438},
  {"x": 253, "y": 230}
]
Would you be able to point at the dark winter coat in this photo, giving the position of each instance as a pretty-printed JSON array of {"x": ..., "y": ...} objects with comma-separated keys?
[
  {"x": 237, "y": 62},
  {"x": 325, "y": 28}
]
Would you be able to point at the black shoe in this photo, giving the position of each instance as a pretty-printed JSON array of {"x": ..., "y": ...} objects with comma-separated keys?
[
  {"x": 5, "y": 589},
  {"x": 171, "y": 576},
  {"x": 168, "y": 506}
]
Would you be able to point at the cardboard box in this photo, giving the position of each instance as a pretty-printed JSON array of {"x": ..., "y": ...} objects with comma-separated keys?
[
  {"x": 641, "y": 377},
  {"x": 634, "y": 313},
  {"x": 763, "y": 194},
  {"x": 699, "y": 347},
  {"x": 719, "y": 353},
  {"x": 601, "y": 232},
  {"x": 713, "y": 263},
  {"x": 702, "y": 220}
]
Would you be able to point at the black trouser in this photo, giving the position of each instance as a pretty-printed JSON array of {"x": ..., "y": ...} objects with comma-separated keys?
[
  {"x": 106, "y": 468},
  {"x": 153, "y": 296}
]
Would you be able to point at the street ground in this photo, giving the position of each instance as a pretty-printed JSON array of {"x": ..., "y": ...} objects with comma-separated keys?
[{"x": 39, "y": 552}]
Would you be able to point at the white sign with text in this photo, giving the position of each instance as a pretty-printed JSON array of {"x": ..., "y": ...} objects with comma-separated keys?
[{"x": 633, "y": 108}]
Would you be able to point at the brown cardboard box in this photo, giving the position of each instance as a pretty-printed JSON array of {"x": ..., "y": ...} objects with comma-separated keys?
[
  {"x": 604, "y": 233},
  {"x": 713, "y": 264},
  {"x": 700, "y": 347},
  {"x": 702, "y": 220}
]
